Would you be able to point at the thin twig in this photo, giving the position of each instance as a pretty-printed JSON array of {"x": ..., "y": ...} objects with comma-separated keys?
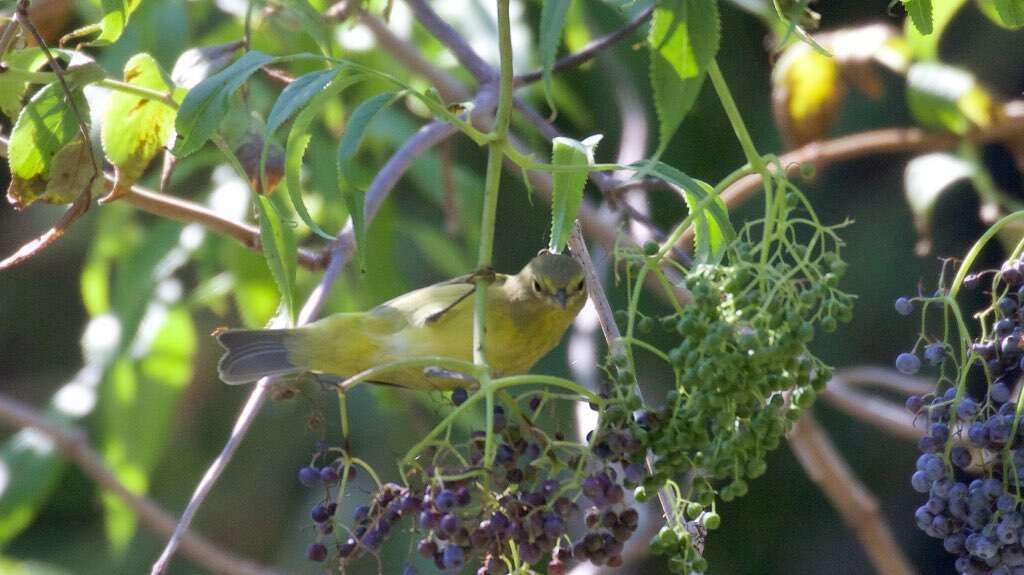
[
  {"x": 72, "y": 443},
  {"x": 30, "y": 249},
  {"x": 341, "y": 251},
  {"x": 857, "y": 506},
  {"x": 589, "y": 51},
  {"x": 169, "y": 207}
]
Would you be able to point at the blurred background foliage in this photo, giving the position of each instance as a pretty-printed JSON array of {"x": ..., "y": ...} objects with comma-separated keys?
[{"x": 109, "y": 326}]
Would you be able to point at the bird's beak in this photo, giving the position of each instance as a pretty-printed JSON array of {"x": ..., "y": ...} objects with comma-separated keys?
[{"x": 560, "y": 296}]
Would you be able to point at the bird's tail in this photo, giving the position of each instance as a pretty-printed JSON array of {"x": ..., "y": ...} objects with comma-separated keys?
[{"x": 255, "y": 353}]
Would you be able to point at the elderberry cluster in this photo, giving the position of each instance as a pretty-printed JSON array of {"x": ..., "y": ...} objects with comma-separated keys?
[{"x": 972, "y": 462}]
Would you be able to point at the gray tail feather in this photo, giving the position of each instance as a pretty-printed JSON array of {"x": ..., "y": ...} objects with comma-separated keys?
[{"x": 254, "y": 353}]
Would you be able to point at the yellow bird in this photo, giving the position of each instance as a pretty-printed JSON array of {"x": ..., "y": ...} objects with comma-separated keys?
[{"x": 527, "y": 314}]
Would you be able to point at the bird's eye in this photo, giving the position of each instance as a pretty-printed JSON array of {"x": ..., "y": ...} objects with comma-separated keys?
[
  {"x": 536, "y": 286},
  {"x": 579, "y": 285}
]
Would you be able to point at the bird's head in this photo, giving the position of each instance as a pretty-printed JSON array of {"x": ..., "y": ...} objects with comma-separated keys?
[{"x": 555, "y": 279}]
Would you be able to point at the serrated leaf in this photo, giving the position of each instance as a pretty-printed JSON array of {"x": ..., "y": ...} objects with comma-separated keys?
[
  {"x": 684, "y": 39},
  {"x": 925, "y": 179},
  {"x": 279, "y": 249},
  {"x": 925, "y": 45},
  {"x": 298, "y": 139},
  {"x": 946, "y": 97},
  {"x": 807, "y": 91},
  {"x": 347, "y": 148},
  {"x": 206, "y": 105},
  {"x": 920, "y": 13},
  {"x": 46, "y": 124},
  {"x": 12, "y": 88},
  {"x": 149, "y": 377},
  {"x": 72, "y": 173},
  {"x": 313, "y": 23},
  {"x": 1006, "y": 13},
  {"x": 567, "y": 187},
  {"x": 713, "y": 230},
  {"x": 135, "y": 129},
  {"x": 552, "y": 22}
]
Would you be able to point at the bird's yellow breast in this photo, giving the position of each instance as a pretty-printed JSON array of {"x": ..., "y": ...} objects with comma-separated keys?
[{"x": 519, "y": 333}]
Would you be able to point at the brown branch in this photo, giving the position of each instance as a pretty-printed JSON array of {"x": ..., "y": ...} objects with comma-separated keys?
[
  {"x": 591, "y": 50},
  {"x": 161, "y": 205},
  {"x": 885, "y": 141},
  {"x": 443, "y": 31},
  {"x": 72, "y": 444},
  {"x": 857, "y": 506}
]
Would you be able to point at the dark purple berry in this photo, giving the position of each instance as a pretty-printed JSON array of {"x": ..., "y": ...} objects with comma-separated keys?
[
  {"x": 453, "y": 558},
  {"x": 908, "y": 363},
  {"x": 329, "y": 475},
  {"x": 320, "y": 514},
  {"x": 904, "y": 306},
  {"x": 459, "y": 396},
  {"x": 309, "y": 476},
  {"x": 316, "y": 552},
  {"x": 444, "y": 501}
]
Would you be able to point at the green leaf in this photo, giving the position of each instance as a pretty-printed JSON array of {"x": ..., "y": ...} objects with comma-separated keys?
[
  {"x": 1006, "y": 13},
  {"x": 110, "y": 27},
  {"x": 72, "y": 173},
  {"x": 298, "y": 94},
  {"x": 153, "y": 386},
  {"x": 32, "y": 469},
  {"x": 552, "y": 22},
  {"x": 920, "y": 12},
  {"x": 206, "y": 105},
  {"x": 713, "y": 229},
  {"x": 347, "y": 148},
  {"x": 946, "y": 97},
  {"x": 807, "y": 91},
  {"x": 135, "y": 129},
  {"x": 46, "y": 124},
  {"x": 567, "y": 187},
  {"x": 313, "y": 23},
  {"x": 279, "y": 249},
  {"x": 298, "y": 139},
  {"x": 925, "y": 45},
  {"x": 12, "y": 88},
  {"x": 684, "y": 39}
]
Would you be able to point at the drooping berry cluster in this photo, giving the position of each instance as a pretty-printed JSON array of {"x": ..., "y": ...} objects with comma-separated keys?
[{"x": 972, "y": 462}]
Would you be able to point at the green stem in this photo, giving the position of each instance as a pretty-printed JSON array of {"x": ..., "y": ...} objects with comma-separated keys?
[
  {"x": 725, "y": 96},
  {"x": 165, "y": 98},
  {"x": 965, "y": 266}
]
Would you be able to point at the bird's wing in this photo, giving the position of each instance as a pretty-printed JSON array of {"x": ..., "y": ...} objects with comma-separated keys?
[{"x": 431, "y": 304}]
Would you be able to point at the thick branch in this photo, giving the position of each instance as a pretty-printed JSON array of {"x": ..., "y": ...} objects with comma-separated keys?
[
  {"x": 857, "y": 506},
  {"x": 73, "y": 445},
  {"x": 591, "y": 50}
]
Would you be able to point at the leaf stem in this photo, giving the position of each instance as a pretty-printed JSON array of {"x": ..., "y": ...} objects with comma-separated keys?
[{"x": 165, "y": 98}]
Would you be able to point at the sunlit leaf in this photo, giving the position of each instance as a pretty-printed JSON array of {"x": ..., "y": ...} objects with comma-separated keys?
[
  {"x": 46, "y": 124},
  {"x": 197, "y": 64},
  {"x": 552, "y": 22},
  {"x": 925, "y": 179},
  {"x": 713, "y": 229},
  {"x": 807, "y": 91},
  {"x": 206, "y": 105},
  {"x": 135, "y": 129},
  {"x": 12, "y": 87},
  {"x": 920, "y": 13},
  {"x": 347, "y": 148},
  {"x": 925, "y": 45},
  {"x": 111, "y": 25},
  {"x": 279, "y": 249},
  {"x": 684, "y": 39},
  {"x": 567, "y": 186},
  {"x": 1006, "y": 13},
  {"x": 949, "y": 98},
  {"x": 313, "y": 23}
]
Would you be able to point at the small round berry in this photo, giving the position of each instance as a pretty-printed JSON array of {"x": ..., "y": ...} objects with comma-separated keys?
[
  {"x": 651, "y": 247},
  {"x": 459, "y": 396},
  {"x": 933, "y": 353},
  {"x": 316, "y": 552},
  {"x": 712, "y": 520},
  {"x": 453, "y": 558},
  {"x": 908, "y": 363},
  {"x": 904, "y": 306},
  {"x": 309, "y": 476},
  {"x": 329, "y": 475},
  {"x": 915, "y": 403},
  {"x": 320, "y": 513}
]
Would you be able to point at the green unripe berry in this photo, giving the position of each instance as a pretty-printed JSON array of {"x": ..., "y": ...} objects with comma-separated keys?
[
  {"x": 700, "y": 564},
  {"x": 712, "y": 521},
  {"x": 693, "y": 509},
  {"x": 829, "y": 324},
  {"x": 668, "y": 537},
  {"x": 640, "y": 494},
  {"x": 651, "y": 248}
]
